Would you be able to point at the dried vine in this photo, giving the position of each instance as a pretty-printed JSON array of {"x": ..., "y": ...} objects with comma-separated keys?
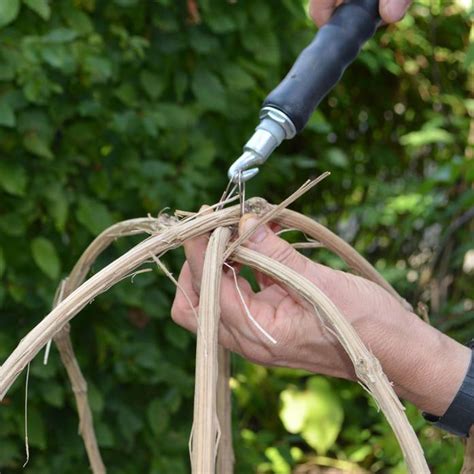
[
  {"x": 212, "y": 402},
  {"x": 206, "y": 430},
  {"x": 225, "y": 451},
  {"x": 63, "y": 341},
  {"x": 367, "y": 367},
  {"x": 468, "y": 465}
]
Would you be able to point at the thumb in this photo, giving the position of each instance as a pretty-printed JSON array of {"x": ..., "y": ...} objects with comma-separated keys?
[{"x": 266, "y": 242}]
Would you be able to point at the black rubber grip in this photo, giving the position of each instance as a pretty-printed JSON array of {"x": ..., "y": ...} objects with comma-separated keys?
[{"x": 321, "y": 64}]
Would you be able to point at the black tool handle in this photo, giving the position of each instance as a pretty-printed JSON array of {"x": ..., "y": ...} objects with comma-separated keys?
[{"x": 321, "y": 64}]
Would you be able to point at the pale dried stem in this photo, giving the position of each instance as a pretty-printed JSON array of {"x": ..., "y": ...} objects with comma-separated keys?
[
  {"x": 79, "y": 388},
  {"x": 144, "y": 225},
  {"x": 367, "y": 367},
  {"x": 63, "y": 340},
  {"x": 206, "y": 430},
  {"x": 225, "y": 451},
  {"x": 468, "y": 465}
]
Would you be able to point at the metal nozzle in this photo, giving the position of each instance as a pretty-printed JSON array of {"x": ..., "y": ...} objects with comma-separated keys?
[{"x": 274, "y": 127}]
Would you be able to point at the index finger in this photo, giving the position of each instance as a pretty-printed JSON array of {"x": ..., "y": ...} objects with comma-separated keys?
[
  {"x": 195, "y": 251},
  {"x": 321, "y": 10}
]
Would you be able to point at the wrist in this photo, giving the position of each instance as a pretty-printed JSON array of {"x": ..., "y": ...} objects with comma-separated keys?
[
  {"x": 458, "y": 419},
  {"x": 426, "y": 366},
  {"x": 445, "y": 372}
]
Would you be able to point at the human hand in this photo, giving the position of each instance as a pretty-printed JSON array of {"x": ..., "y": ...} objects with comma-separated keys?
[
  {"x": 390, "y": 10},
  {"x": 411, "y": 352}
]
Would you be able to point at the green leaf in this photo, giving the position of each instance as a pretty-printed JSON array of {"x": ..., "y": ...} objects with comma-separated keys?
[
  {"x": 12, "y": 178},
  {"x": 53, "y": 394},
  {"x": 7, "y": 115},
  {"x": 78, "y": 20},
  {"x": 7, "y": 71},
  {"x": 36, "y": 429},
  {"x": 98, "y": 68},
  {"x": 96, "y": 400},
  {"x": 360, "y": 453},
  {"x": 177, "y": 336},
  {"x": 60, "y": 35},
  {"x": 9, "y": 451},
  {"x": 209, "y": 91},
  {"x": 127, "y": 94},
  {"x": 158, "y": 416},
  {"x": 426, "y": 136},
  {"x": 58, "y": 204},
  {"x": 8, "y": 11},
  {"x": 280, "y": 465},
  {"x": 410, "y": 202},
  {"x": 126, "y": 3},
  {"x": 59, "y": 211},
  {"x": 153, "y": 84},
  {"x": 237, "y": 78},
  {"x": 13, "y": 224},
  {"x": 45, "y": 256},
  {"x": 337, "y": 157},
  {"x": 220, "y": 23},
  {"x": 41, "y": 7},
  {"x": 36, "y": 121},
  {"x": 315, "y": 413},
  {"x": 202, "y": 42},
  {"x": 318, "y": 123},
  {"x": 37, "y": 144},
  {"x": 175, "y": 117},
  {"x": 93, "y": 215},
  {"x": 105, "y": 436},
  {"x": 129, "y": 423},
  {"x": 3, "y": 264},
  {"x": 59, "y": 57},
  {"x": 263, "y": 45},
  {"x": 204, "y": 154},
  {"x": 469, "y": 59}
]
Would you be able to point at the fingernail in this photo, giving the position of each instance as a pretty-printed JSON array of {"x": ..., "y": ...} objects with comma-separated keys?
[
  {"x": 250, "y": 222},
  {"x": 393, "y": 11}
]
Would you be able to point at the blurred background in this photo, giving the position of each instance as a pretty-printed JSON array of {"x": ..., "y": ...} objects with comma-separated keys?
[{"x": 111, "y": 110}]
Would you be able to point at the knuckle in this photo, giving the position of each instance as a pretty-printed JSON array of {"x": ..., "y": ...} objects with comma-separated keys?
[
  {"x": 298, "y": 262},
  {"x": 177, "y": 311},
  {"x": 174, "y": 313},
  {"x": 335, "y": 284},
  {"x": 286, "y": 254}
]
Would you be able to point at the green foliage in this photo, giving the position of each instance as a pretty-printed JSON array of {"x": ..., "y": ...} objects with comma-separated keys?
[
  {"x": 112, "y": 110},
  {"x": 315, "y": 413},
  {"x": 9, "y": 11},
  {"x": 45, "y": 256}
]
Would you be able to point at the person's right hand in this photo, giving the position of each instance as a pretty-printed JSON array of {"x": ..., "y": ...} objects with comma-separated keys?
[{"x": 390, "y": 10}]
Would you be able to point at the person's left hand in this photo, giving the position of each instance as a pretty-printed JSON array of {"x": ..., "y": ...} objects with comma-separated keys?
[
  {"x": 302, "y": 342},
  {"x": 425, "y": 366}
]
